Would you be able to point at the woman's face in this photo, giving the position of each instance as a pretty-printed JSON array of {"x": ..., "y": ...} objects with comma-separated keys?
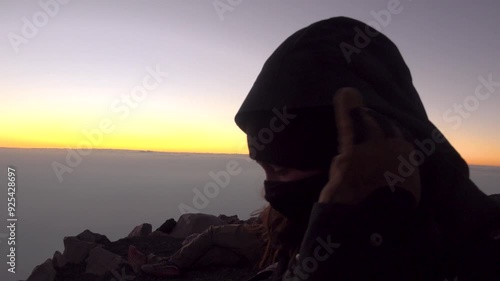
[{"x": 280, "y": 173}]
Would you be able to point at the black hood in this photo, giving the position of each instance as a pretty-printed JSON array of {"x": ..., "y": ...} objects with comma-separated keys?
[{"x": 298, "y": 82}]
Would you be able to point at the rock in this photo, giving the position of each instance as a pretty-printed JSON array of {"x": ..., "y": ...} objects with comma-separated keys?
[
  {"x": 230, "y": 219},
  {"x": 253, "y": 220},
  {"x": 59, "y": 260},
  {"x": 158, "y": 233},
  {"x": 76, "y": 250},
  {"x": 141, "y": 230},
  {"x": 136, "y": 258},
  {"x": 156, "y": 247},
  {"x": 190, "y": 238},
  {"x": 122, "y": 273},
  {"x": 101, "y": 261},
  {"x": 194, "y": 223},
  {"x": 220, "y": 257},
  {"x": 167, "y": 226},
  {"x": 43, "y": 272},
  {"x": 89, "y": 236}
]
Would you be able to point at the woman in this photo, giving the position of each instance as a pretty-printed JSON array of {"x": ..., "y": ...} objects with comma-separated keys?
[{"x": 369, "y": 187}]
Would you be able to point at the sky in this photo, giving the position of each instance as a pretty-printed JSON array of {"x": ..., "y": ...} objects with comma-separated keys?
[{"x": 170, "y": 75}]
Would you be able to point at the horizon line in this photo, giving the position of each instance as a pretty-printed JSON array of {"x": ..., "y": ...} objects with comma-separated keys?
[
  {"x": 125, "y": 149},
  {"x": 177, "y": 152}
]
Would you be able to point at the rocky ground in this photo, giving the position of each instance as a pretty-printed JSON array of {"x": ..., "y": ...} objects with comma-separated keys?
[
  {"x": 159, "y": 245},
  {"x": 92, "y": 257}
]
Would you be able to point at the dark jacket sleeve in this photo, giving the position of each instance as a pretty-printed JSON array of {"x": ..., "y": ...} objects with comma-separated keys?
[
  {"x": 479, "y": 257},
  {"x": 383, "y": 238}
]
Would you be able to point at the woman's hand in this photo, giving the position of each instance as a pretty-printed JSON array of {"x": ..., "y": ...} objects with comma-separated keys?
[{"x": 369, "y": 147}]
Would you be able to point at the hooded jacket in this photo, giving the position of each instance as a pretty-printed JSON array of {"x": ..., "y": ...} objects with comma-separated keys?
[{"x": 289, "y": 120}]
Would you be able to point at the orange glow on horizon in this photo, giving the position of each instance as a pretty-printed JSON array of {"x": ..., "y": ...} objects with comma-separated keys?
[
  {"x": 472, "y": 155},
  {"x": 154, "y": 128}
]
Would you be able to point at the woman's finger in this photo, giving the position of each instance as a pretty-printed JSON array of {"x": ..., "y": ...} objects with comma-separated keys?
[{"x": 345, "y": 101}]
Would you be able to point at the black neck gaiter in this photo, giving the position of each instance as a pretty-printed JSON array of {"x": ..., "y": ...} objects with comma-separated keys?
[{"x": 295, "y": 199}]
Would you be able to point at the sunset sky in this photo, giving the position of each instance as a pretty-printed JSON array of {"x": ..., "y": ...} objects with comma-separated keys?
[{"x": 61, "y": 81}]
